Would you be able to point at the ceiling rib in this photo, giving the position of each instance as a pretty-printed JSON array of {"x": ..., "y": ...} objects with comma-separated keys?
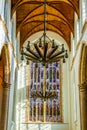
[
  {"x": 40, "y": 28},
  {"x": 60, "y": 17}
]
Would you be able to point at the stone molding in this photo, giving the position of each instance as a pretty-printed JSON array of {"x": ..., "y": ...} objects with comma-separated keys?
[{"x": 84, "y": 27}]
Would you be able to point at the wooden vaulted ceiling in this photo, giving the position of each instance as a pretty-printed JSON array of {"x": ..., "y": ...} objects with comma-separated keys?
[{"x": 59, "y": 18}]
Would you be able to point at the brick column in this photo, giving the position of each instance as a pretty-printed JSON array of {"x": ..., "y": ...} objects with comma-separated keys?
[
  {"x": 5, "y": 105},
  {"x": 83, "y": 104}
]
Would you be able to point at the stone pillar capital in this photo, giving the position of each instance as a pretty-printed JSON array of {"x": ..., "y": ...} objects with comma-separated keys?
[
  {"x": 5, "y": 106},
  {"x": 6, "y": 85},
  {"x": 83, "y": 86}
]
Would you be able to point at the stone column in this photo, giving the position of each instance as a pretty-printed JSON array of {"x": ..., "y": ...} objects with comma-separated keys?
[
  {"x": 5, "y": 105},
  {"x": 83, "y": 104}
]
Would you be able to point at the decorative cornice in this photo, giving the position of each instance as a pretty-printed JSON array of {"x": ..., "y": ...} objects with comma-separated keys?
[{"x": 83, "y": 86}]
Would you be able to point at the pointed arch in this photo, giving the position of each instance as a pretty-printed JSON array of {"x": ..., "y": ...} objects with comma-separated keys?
[
  {"x": 83, "y": 64},
  {"x": 83, "y": 86},
  {"x": 5, "y": 58}
]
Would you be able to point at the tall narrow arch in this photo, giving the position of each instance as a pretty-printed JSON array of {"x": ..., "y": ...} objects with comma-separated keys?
[
  {"x": 5, "y": 79},
  {"x": 83, "y": 86},
  {"x": 5, "y": 58}
]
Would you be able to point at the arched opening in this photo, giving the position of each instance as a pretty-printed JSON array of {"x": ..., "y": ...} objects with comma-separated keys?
[
  {"x": 1, "y": 88},
  {"x": 83, "y": 86},
  {"x": 4, "y": 85}
]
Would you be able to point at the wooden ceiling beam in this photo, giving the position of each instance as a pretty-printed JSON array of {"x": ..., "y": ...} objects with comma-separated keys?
[
  {"x": 27, "y": 19},
  {"x": 39, "y": 18},
  {"x": 59, "y": 12},
  {"x": 70, "y": 25},
  {"x": 21, "y": 2},
  {"x": 75, "y": 7}
]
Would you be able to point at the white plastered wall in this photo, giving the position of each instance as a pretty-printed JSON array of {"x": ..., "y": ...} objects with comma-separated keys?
[{"x": 75, "y": 66}]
